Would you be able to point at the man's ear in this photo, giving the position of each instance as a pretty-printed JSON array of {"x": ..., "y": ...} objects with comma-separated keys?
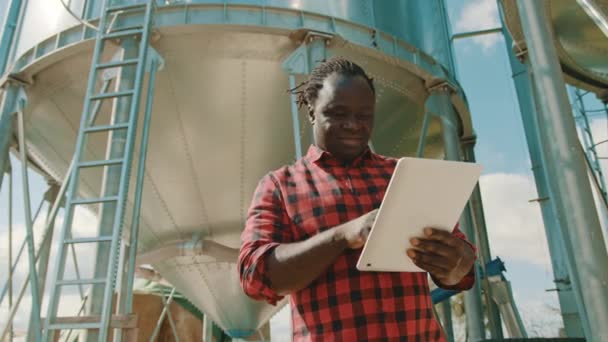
[{"x": 311, "y": 114}]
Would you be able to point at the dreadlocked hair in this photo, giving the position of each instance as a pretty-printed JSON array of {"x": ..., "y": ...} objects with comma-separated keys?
[{"x": 308, "y": 90}]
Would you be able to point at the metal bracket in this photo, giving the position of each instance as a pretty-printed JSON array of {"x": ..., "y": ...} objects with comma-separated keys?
[
  {"x": 297, "y": 61},
  {"x": 469, "y": 140},
  {"x": 441, "y": 85},
  {"x": 20, "y": 79},
  {"x": 520, "y": 50},
  {"x": 541, "y": 199},
  {"x": 154, "y": 56},
  {"x": 21, "y": 99},
  {"x": 311, "y": 51}
]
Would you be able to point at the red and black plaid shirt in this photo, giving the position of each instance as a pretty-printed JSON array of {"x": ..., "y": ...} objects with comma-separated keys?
[{"x": 315, "y": 194}]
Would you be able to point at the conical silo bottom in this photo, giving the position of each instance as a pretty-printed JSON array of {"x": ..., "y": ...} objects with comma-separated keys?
[{"x": 215, "y": 289}]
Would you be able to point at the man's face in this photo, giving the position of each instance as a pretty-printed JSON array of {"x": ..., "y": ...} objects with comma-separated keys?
[{"x": 343, "y": 116}]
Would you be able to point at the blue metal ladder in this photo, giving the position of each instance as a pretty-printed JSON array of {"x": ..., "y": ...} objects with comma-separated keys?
[
  {"x": 590, "y": 146},
  {"x": 114, "y": 204}
]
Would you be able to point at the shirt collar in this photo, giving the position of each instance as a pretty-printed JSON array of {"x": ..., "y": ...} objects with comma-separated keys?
[{"x": 316, "y": 155}]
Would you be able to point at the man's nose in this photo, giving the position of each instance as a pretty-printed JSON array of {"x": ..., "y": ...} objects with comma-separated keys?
[{"x": 351, "y": 123}]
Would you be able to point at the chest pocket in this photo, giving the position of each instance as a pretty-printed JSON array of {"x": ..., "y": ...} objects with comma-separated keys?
[
  {"x": 311, "y": 212},
  {"x": 327, "y": 201}
]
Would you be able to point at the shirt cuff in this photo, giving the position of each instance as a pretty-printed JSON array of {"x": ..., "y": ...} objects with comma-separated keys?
[
  {"x": 465, "y": 283},
  {"x": 256, "y": 283}
]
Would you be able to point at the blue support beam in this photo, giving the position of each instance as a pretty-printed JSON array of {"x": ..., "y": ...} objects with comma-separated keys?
[
  {"x": 566, "y": 170},
  {"x": 440, "y": 104},
  {"x": 8, "y": 33}
]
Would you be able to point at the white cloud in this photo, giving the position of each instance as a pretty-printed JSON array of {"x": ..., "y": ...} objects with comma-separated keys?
[
  {"x": 541, "y": 318},
  {"x": 479, "y": 15},
  {"x": 514, "y": 224}
]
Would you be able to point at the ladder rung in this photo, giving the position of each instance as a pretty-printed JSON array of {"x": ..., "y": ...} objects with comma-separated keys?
[
  {"x": 95, "y": 200},
  {"x": 122, "y": 34},
  {"x": 95, "y": 163},
  {"x": 126, "y": 8},
  {"x": 110, "y": 95},
  {"x": 104, "y": 128},
  {"x": 117, "y": 63},
  {"x": 70, "y": 326},
  {"x": 126, "y": 28},
  {"x": 82, "y": 281},
  {"x": 93, "y": 322},
  {"x": 89, "y": 240}
]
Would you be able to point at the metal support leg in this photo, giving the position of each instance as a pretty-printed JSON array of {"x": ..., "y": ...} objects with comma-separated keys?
[
  {"x": 207, "y": 329},
  {"x": 45, "y": 248},
  {"x": 8, "y": 32},
  {"x": 481, "y": 236},
  {"x": 503, "y": 296},
  {"x": 7, "y": 111},
  {"x": 125, "y": 298},
  {"x": 170, "y": 317},
  {"x": 21, "y": 249},
  {"x": 10, "y": 249},
  {"x": 445, "y": 316},
  {"x": 161, "y": 318},
  {"x": 45, "y": 239},
  {"x": 567, "y": 289},
  {"x": 35, "y": 289},
  {"x": 423, "y": 134},
  {"x": 445, "y": 306},
  {"x": 472, "y": 299},
  {"x": 567, "y": 170},
  {"x": 297, "y": 137}
]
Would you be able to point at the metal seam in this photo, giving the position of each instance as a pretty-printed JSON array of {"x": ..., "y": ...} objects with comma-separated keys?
[
  {"x": 243, "y": 138},
  {"x": 182, "y": 136}
]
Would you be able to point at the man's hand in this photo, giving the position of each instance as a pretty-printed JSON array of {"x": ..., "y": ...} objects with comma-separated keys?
[
  {"x": 446, "y": 257},
  {"x": 355, "y": 232}
]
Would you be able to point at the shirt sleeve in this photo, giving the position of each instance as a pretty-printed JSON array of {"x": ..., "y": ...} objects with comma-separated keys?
[
  {"x": 469, "y": 279},
  {"x": 267, "y": 226}
]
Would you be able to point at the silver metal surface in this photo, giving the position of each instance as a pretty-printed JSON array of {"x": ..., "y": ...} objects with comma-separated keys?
[{"x": 581, "y": 44}]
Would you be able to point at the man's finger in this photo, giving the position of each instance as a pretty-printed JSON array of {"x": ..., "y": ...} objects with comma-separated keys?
[
  {"x": 431, "y": 259},
  {"x": 432, "y": 269},
  {"x": 440, "y": 235},
  {"x": 364, "y": 233},
  {"x": 432, "y": 247}
]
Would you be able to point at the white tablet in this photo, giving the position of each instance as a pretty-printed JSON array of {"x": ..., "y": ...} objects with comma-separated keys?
[{"x": 421, "y": 193}]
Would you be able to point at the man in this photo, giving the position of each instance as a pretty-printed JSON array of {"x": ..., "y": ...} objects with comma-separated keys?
[{"x": 308, "y": 222}]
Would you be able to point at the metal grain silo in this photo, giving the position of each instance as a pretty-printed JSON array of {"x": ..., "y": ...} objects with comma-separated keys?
[{"x": 221, "y": 117}]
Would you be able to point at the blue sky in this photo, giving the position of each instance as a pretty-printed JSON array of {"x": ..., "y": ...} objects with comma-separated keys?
[{"x": 514, "y": 224}]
